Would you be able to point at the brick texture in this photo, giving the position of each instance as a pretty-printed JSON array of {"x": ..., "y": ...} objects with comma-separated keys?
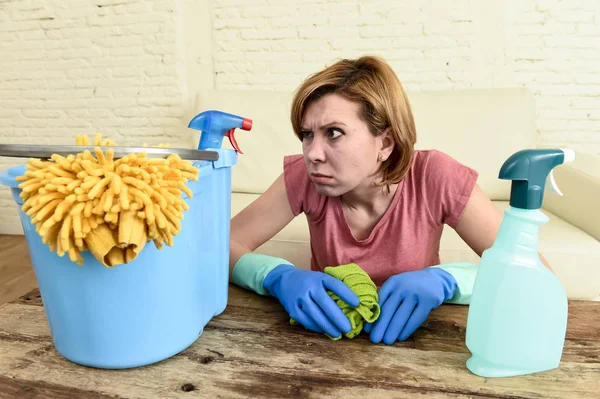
[
  {"x": 75, "y": 67},
  {"x": 549, "y": 46}
]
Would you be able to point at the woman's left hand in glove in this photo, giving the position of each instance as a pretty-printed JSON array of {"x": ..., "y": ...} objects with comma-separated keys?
[{"x": 406, "y": 299}]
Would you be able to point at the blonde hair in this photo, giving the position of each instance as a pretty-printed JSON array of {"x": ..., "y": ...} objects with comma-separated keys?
[{"x": 371, "y": 82}]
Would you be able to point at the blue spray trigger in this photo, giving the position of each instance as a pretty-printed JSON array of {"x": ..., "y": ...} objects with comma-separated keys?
[{"x": 215, "y": 125}]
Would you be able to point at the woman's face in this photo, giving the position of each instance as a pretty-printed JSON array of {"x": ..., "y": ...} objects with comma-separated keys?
[{"x": 340, "y": 152}]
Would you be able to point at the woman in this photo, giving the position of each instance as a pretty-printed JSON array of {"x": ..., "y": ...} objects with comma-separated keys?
[{"x": 370, "y": 198}]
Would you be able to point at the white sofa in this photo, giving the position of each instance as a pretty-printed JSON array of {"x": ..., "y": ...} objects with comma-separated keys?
[{"x": 480, "y": 128}]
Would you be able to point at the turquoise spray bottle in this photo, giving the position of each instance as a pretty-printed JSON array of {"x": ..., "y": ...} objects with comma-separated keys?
[{"x": 517, "y": 316}]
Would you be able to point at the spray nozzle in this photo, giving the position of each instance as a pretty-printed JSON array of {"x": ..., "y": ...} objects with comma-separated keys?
[
  {"x": 217, "y": 124},
  {"x": 529, "y": 170}
]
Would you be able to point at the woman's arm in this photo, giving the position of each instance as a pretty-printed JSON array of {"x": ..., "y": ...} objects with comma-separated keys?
[
  {"x": 480, "y": 223},
  {"x": 303, "y": 293},
  {"x": 259, "y": 221}
]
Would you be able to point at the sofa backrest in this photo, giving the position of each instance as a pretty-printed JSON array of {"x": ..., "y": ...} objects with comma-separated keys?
[{"x": 479, "y": 127}]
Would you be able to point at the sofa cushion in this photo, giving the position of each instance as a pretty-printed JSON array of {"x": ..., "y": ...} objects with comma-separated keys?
[
  {"x": 573, "y": 254},
  {"x": 479, "y": 127}
]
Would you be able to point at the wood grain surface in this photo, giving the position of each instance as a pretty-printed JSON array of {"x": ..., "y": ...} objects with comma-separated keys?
[
  {"x": 251, "y": 350},
  {"x": 16, "y": 272}
]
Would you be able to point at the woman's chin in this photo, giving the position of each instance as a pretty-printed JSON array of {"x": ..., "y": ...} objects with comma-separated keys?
[{"x": 328, "y": 190}]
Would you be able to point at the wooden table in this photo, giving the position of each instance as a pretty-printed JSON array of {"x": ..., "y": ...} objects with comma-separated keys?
[{"x": 251, "y": 350}]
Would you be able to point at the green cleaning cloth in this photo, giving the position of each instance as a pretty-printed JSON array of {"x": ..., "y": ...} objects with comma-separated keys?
[{"x": 366, "y": 290}]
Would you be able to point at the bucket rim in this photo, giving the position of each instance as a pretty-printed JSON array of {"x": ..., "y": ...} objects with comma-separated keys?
[
  {"x": 8, "y": 177},
  {"x": 227, "y": 158}
]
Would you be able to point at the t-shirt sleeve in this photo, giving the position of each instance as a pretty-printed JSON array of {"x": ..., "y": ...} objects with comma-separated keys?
[
  {"x": 302, "y": 194},
  {"x": 448, "y": 187}
]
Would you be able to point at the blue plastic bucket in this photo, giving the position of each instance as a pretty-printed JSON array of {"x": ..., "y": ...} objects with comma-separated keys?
[{"x": 150, "y": 309}]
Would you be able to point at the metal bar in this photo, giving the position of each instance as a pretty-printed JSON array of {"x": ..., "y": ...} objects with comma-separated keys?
[{"x": 46, "y": 151}]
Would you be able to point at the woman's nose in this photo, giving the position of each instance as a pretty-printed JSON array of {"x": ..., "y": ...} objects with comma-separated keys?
[{"x": 315, "y": 150}]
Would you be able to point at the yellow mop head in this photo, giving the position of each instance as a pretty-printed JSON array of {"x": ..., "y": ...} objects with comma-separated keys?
[{"x": 110, "y": 207}]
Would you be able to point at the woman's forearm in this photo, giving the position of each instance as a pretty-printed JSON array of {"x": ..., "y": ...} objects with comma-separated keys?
[
  {"x": 236, "y": 251},
  {"x": 545, "y": 262}
]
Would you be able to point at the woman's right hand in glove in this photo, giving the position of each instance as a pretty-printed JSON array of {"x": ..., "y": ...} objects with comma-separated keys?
[{"x": 303, "y": 294}]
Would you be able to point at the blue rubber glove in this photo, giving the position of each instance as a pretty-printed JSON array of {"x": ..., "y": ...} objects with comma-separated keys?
[
  {"x": 406, "y": 300},
  {"x": 303, "y": 294}
]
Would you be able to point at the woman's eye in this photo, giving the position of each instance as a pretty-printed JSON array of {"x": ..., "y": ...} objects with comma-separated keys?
[
  {"x": 306, "y": 134},
  {"x": 335, "y": 133}
]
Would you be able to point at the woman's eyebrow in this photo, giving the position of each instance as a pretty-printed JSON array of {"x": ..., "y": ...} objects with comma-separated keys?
[{"x": 329, "y": 124}]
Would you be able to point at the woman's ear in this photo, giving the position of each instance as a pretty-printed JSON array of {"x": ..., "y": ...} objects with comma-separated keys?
[{"x": 387, "y": 142}]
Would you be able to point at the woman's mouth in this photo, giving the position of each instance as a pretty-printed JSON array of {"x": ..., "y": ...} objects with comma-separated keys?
[{"x": 320, "y": 178}]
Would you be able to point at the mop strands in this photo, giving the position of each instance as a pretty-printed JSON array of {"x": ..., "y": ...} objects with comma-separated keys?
[{"x": 90, "y": 201}]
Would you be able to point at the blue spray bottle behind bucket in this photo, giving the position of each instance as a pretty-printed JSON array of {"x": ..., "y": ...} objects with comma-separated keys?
[
  {"x": 517, "y": 317},
  {"x": 218, "y": 124}
]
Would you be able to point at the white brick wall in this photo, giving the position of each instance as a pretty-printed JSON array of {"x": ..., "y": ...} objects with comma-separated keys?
[
  {"x": 77, "y": 67},
  {"x": 549, "y": 46},
  {"x": 557, "y": 55},
  {"x": 130, "y": 68}
]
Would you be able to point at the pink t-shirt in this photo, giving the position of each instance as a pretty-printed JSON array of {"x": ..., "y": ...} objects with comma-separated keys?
[{"x": 433, "y": 193}]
